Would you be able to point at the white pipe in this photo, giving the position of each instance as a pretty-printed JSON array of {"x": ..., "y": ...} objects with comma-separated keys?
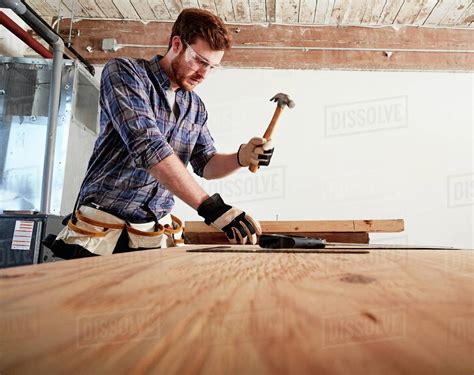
[{"x": 117, "y": 46}]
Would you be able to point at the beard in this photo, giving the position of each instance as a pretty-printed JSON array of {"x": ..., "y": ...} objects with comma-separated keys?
[{"x": 181, "y": 76}]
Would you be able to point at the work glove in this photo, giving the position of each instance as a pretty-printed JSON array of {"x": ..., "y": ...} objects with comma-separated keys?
[
  {"x": 258, "y": 151},
  {"x": 239, "y": 227}
]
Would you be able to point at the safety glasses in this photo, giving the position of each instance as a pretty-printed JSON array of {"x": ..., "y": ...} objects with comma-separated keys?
[{"x": 196, "y": 61}]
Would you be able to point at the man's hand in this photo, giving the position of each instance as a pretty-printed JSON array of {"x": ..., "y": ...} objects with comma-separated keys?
[
  {"x": 258, "y": 151},
  {"x": 236, "y": 224}
]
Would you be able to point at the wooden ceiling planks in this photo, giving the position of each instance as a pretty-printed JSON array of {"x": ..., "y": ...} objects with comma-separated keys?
[
  {"x": 307, "y": 11},
  {"x": 373, "y": 11},
  {"x": 208, "y": 5},
  {"x": 74, "y": 7},
  {"x": 290, "y": 11},
  {"x": 467, "y": 18},
  {"x": 190, "y": 3},
  {"x": 225, "y": 10},
  {"x": 323, "y": 12},
  {"x": 258, "y": 11},
  {"x": 241, "y": 11},
  {"x": 91, "y": 7},
  {"x": 445, "y": 13},
  {"x": 174, "y": 7},
  {"x": 424, "y": 12},
  {"x": 126, "y": 9},
  {"x": 109, "y": 9},
  {"x": 160, "y": 10},
  {"x": 355, "y": 13},
  {"x": 438, "y": 13},
  {"x": 390, "y": 11},
  {"x": 409, "y": 12},
  {"x": 456, "y": 11},
  {"x": 143, "y": 9},
  {"x": 337, "y": 12}
]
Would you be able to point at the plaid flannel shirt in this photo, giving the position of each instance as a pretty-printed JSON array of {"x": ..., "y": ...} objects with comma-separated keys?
[{"x": 137, "y": 131}]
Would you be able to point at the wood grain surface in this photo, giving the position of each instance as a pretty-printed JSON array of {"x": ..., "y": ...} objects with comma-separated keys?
[
  {"x": 307, "y": 226},
  {"x": 171, "y": 311}
]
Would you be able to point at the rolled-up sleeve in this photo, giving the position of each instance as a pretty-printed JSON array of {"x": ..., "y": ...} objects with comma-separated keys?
[{"x": 125, "y": 100}]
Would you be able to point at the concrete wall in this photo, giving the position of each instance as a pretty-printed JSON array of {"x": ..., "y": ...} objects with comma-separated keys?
[{"x": 358, "y": 145}]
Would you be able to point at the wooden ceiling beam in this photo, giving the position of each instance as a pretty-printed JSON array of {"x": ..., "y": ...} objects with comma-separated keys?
[{"x": 295, "y": 47}]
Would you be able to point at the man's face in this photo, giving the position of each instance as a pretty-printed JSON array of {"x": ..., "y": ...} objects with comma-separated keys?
[{"x": 193, "y": 64}]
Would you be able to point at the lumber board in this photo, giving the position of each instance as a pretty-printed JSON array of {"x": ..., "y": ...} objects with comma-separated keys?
[
  {"x": 308, "y": 226},
  {"x": 220, "y": 238},
  {"x": 171, "y": 311}
]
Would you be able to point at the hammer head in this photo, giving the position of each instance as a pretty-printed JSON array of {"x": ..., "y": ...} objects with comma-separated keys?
[{"x": 282, "y": 100}]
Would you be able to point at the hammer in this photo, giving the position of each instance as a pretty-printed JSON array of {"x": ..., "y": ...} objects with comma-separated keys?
[{"x": 282, "y": 100}]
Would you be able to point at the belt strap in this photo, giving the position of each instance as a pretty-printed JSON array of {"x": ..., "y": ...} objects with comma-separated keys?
[
  {"x": 85, "y": 232},
  {"x": 177, "y": 222},
  {"x": 159, "y": 232},
  {"x": 88, "y": 220}
]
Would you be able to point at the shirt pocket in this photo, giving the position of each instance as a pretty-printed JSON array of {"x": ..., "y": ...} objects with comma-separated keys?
[{"x": 184, "y": 138}]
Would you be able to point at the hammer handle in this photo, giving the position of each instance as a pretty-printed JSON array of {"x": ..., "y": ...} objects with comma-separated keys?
[{"x": 268, "y": 133}]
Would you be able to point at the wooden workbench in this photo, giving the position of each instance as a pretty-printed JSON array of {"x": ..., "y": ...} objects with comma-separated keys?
[{"x": 172, "y": 311}]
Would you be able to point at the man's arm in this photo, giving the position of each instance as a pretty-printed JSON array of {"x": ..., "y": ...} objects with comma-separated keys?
[
  {"x": 221, "y": 165},
  {"x": 258, "y": 151},
  {"x": 175, "y": 177},
  {"x": 236, "y": 224}
]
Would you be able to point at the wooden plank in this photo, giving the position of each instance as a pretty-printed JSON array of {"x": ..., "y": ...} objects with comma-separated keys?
[
  {"x": 355, "y": 13},
  {"x": 91, "y": 8},
  {"x": 258, "y": 11},
  {"x": 220, "y": 238},
  {"x": 126, "y": 9},
  {"x": 373, "y": 12},
  {"x": 467, "y": 18},
  {"x": 58, "y": 9},
  {"x": 225, "y": 10},
  {"x": 457, "y": 9},
  {"x": 41, "y": 7},
  {"x": 439, "y": 12},
  {"x": 409, "y": 12},
  {"x": 425, "y": 11},
  {"x": 174, "y": 7},
  {"x": 290, "y": 10},
  {"x": 109, "y": 9},
  {"x": 75, "y": 8},
  {"x": 305, "y": 226},
  {"x": 323, "y": 11},
  {"x": 241, "y": 10},
  {"x": 390, "y": 11},
  {"x": 208, "y": 5},
  {"x": 271, "y": 4},
  {"x": 174, "y": 312},
  {"x": 283, "y": 46},
  {"x": 160, "y": 10},
  {"x": 279, "y": 13},
  {"x": 143, "y": 10},
  {"x": 190, "y": 3},
  {"x": 307, "y": 11},
  {"x": 339, "y": 8}
]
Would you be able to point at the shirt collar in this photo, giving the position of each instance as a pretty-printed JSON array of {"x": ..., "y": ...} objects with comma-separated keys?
[{"x": 159, "y": 72}]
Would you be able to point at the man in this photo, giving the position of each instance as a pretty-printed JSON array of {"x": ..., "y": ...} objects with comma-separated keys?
[{"x": 152, "y": 125}]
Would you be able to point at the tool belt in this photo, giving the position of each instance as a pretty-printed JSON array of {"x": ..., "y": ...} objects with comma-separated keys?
[{"x": 91, "y": 231}]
